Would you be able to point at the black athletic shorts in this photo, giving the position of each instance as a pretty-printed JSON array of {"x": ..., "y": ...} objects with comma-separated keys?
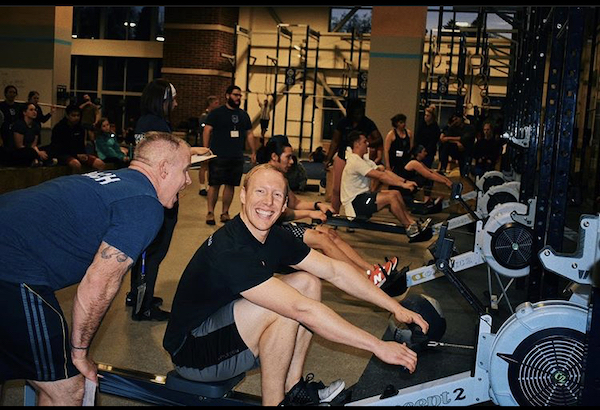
[
  {"x": 264, "y": 124},
  {"x": 34, "y": 338},
  {"x": 214, "y": 350},
  {"x": 225, "y": 171},
  {"x": 365, "y": 205}
]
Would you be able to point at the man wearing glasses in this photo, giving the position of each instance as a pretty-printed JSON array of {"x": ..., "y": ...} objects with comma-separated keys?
[{"x": 225, "y": 133}]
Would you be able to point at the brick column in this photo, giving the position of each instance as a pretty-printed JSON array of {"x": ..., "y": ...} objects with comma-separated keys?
[{"x": 195, "y": 37}]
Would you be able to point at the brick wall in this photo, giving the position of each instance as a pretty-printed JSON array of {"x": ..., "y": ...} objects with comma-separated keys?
[{"x": 197, "y": 49}]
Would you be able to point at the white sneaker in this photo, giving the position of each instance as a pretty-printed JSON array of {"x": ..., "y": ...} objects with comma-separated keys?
[{"x": 330, "y": 392}]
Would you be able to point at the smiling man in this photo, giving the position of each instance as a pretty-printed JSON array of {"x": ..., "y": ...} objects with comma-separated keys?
[
  {"x": 231, "y": 313},
  {"x": 95, "y": 226}
]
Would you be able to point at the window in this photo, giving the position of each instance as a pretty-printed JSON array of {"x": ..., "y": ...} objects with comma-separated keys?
[
  {"x": 361, "y": 19},
  {"x": 119, "y": 23},
  {"x": 86, "y": 22},
  {"x": 137, "y": 74},
  {"x": 114, "y": 73},
  {"x": 86, "y": 69}
]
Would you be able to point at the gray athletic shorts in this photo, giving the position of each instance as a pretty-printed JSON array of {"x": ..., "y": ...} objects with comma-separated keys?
[{"x": 214, "y": 350}]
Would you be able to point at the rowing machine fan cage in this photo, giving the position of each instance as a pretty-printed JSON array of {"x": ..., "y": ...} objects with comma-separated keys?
[
  {"x": 500, "y": 194},
  {"x": 507, "y": 245},
  {"x": 537, "y": 355}
]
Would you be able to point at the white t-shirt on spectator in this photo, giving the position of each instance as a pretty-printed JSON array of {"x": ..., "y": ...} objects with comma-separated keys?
[{"x": 354, "y": 179}]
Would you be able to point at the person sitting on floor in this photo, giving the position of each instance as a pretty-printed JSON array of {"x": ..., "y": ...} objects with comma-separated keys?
[
  {"x": 22, "y": 149},
  {"x": 68, "y": 142},
  {"x": 278, "y": 152},
  {"x": 107, "y": 146},
  {"x": 361, "y": 180},
  {"x": 231, "y": 312}
]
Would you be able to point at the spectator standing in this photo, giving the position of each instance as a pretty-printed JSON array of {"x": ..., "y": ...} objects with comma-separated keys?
[
  {"x": 10, "y": 110},
  {"x": 265, "y": 115},
  {"x": 397, "y": 146},
  {"x": 34, "y": 98},
  {"x": 90, "y": 113},
  {"x": 68, "y": 141},
  {"x": 212, "y": 102},
  {"x": 355, "y": 119},
  {"x": 159, "y": 99},
  {"x": 226, "y": 130},
  {"x": 428, "y": 135}
]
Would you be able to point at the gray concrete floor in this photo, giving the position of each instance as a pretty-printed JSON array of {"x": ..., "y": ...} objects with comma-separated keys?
[{"x": 124, "y": 343}]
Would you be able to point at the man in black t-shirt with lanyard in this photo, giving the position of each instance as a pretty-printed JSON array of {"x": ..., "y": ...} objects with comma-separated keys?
[
  {"x": 230, "y": 311},
  {"x": 225, "y": 133}
]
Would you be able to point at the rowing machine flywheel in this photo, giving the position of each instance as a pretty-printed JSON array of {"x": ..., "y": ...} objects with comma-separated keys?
[
  {"x": 537, "y": 356},
  {"x": 512, "y": 245},
  {"x": 506, "y": 244}
]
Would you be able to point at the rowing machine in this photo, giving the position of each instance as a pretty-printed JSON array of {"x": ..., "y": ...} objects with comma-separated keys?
[
  {"x": 536, "y": 357},
  {"x": 379, "y": 226},
  {"x": 161, "y": 390}
]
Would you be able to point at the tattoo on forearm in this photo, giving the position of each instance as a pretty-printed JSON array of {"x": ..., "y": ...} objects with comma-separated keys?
[{"x": 109, "y": 252}]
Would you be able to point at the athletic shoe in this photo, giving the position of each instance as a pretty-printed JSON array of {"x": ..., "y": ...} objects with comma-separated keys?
[
  {"x": 378, "y": 275},
  {"x": 394, "y": 261},
  {"x": 130, "y": 300},
  {"x": 307, "y": 392},
  {"x": 412, "y": 230},
  {"x": 154, "y": 313}
]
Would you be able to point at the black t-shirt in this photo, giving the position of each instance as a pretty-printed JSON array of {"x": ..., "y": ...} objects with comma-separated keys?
[
  {"x": 11, "y": 114},
  {"x": 29, "y": 134},
  {"x": 399, "y": 152},
  {"x": 67, "y": 139},
  {"x": 229, "y": 262},
  {"x": 428, "y": 136},
  {"x": 229, "y": 131}
]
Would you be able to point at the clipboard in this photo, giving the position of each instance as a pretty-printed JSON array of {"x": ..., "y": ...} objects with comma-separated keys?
[{"x": 197, "y": 160}]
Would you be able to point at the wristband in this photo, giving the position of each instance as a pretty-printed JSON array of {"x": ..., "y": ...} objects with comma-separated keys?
[
  {"x": 79, "y": 348},
  {"x": 316, "y": 206}
]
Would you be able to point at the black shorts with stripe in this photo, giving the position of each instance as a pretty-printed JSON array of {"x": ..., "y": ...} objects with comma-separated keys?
[
  {"x": 34, "y": 341},
  {"x": 214, "y": 350}
]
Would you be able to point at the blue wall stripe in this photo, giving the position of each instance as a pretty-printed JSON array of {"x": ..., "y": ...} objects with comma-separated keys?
[
  {"x": 396, "y": 55},
  {"x": 36, "y": 40}
]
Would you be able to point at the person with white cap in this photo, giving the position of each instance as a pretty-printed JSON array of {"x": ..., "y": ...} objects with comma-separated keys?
[{"x": 159, "y": 99}]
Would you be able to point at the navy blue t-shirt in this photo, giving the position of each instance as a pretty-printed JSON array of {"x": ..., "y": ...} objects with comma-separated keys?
[
  {"x": 77, "y": 212},
  {"x": 229, "y": 131},
  {"x": 228, "y": 263},
  {"x": 150, "y": 122}
]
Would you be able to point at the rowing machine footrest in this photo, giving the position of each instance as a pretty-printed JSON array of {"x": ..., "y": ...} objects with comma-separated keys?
[{"x": 212, "y": 390}]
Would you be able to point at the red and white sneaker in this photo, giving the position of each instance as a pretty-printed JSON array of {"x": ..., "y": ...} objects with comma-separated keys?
[
  {"x": 394, "y": 261},
  {"x": 377, "y": 275}
]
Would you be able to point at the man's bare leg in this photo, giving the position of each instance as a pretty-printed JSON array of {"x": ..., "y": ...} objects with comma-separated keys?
[
  {"x": 322, "y": 241},
  {"x": 228, "y": 192},
  {"x": 283, "y": 341},
  {"x": 345, "y": 247},
  {"x": 394, "y": 200},
  {"x": 67, "y": 392}
]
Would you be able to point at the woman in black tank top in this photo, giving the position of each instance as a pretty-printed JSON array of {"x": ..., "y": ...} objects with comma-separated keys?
[
  {"x": 398, "y": 143},
  {"x": 416, "y": 170}
]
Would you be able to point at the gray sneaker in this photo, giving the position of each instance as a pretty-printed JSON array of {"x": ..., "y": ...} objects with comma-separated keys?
[{"x": 412, "y": 230}]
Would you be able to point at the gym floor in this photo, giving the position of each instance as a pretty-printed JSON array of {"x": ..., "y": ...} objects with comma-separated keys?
[{"x": 123, "y": 343}]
